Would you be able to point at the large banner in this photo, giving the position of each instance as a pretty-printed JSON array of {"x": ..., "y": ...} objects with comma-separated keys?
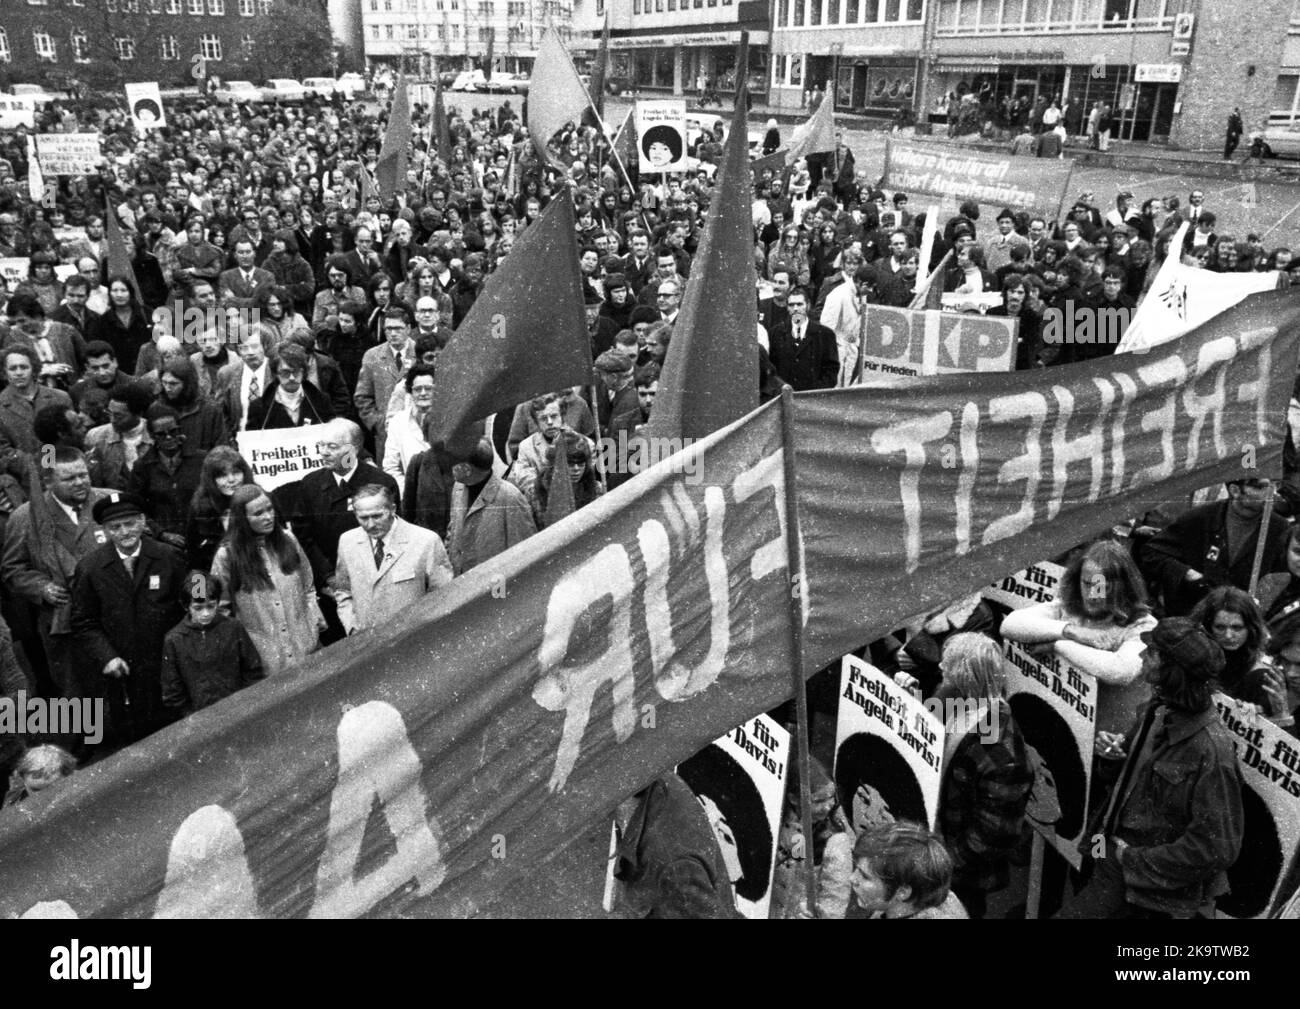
[
  {"x": 15, "y": 112},
  {"x": 1270, "y": 769},
  {"x": 1001, "y": 180},
  {"x": 740, "y": 781},
  {"x": 420, "y": 768},
  {"x": 888, "y": 750},
  {"x": 1055, "y": 706},
  {"x": 281, "y": 455},
  {"x": 423, "y": 767},
  {"x": 905, "y": 341},
  {"x": 69, "y": 153},
  {"x": 661, "y": 130}
]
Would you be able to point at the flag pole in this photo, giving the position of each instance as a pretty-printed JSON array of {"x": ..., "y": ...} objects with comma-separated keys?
[
  {"x": 795, "y": 600},
  {"x": 1263, "y": 537},
  {"x": 863, "y": 302}
]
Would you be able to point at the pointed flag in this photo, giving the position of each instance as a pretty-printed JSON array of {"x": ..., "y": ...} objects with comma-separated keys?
[
  {"x": 441, "y": 131},
  {"x": 366, "y": 185},
  {"x": 390, "y": 172},
  {"x": 555, "y": 94},
  {"x": 118, "y": 254},
  {"x": 817, "y": 135},
  {"x": 35, "y": 180},
  {"x": 742, "y": 73},
  {"x": 1167, "y": 312},
  {"x": 930, "y": 293},
  {"x": 526, "y": 334},
  {"x": 710, "y": 376},
  {"x": 511, "y": 182},
  {"x": 559, "y": 499},
  {"x": 600, "y": 70},
  {"x": 487, "y": 60}
]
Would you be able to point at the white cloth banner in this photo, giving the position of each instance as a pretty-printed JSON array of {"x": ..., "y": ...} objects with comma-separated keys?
[
  {"x": 281, "y": 455},
  {"x": 1184, "y": 297}
]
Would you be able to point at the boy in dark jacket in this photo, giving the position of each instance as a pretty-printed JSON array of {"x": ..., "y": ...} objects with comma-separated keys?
[{"x": 207, "y": 656}]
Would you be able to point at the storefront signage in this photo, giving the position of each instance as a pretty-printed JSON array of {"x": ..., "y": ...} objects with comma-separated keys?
[
  {"x": 666, "y": 41},
  {"x": 1159, "y": 73}
]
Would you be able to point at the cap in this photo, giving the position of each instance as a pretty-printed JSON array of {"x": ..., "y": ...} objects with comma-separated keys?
[
  {"x": 117, "y": 505},
  {"x": 1185, "y": 641},
  {"x": 613, "y": 363},
  {"x": 615, "y": 281}
]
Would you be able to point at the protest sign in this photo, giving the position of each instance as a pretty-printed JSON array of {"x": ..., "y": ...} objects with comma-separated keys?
[
  {"x": 1270, "y": 769},
  {"x": 1035, "y": 584},
  {"x": 146, "y": 105},
  {"x": 740, "y": 781},
  {"x": 1001, "y": 180},
  {"x": 69, "y": 153},
  {"x": 281, "y": 455},
  {"x": 661, "y": 130},
  {"x": 508, "y": 703},
  {"x": 15, "y": 112},
  {"x": 14, "y": 269},
  {"x": 1055, "y": 707},
  {"x": 888, "y": 750},
  {"x": 905, "y": 341}
]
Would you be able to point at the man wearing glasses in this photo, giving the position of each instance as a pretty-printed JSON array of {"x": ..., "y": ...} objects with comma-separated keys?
[{"x": 669, "y": 300}]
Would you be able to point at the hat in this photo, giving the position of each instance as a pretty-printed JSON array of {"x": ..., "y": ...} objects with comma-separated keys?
[
  {"x": 590, "y": 297},
  {"x": 611, "y": 362},
  {"x": 1185, "y": 641},
  {"x": 1126, "y": 195},
  {"x": 615, "y": 281},
  {"x": 642, "y": 313},
  {"x": 117, "y": 505}
]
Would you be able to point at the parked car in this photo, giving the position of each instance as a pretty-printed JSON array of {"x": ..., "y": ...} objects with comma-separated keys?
[
  {"x": 350, "y": 85},
  {"x": 1279, "y": 142},
  {"x": 506, "y": 83},
  {"x": 469, "y": 80},
  {"x": 37, "y": 93},
  {"x": 233, "y": 92},
  {"x": 283, "y": 89},
  {"x": 319, "y": 87}
]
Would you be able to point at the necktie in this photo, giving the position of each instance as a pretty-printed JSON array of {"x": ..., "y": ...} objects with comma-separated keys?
[
  {"x": 129, "y": 563},
  {"x": 379, "y": 554},
  {"x": 248, "y": 279},
  {"x": 798, "y": 335},
  {"x": 397, "y": 362},
  {"x": 253, "y": 388}
]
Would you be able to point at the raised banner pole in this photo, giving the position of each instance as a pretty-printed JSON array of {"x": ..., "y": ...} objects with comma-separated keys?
[
  {"x": 795, "y": 603},
  {"x": 1263, "y": 537},
  {"x": 1034, "y": 897}
]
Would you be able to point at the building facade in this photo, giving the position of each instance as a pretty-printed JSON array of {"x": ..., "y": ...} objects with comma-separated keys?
[
  {"x": 423, "y": 35},
  {"x": 1171, "y": 70},
  {"x": 678, "y": 47},
  {"x": 105, "y": 42}
]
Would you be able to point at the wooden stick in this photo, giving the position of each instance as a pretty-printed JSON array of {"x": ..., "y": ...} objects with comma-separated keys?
[
  {"x": 1263, "y": 538},
  {"x": 795, "y": 600},
  {"x": 1035, "y": 877}
]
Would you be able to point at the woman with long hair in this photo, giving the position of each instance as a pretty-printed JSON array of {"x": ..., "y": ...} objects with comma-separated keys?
[
  {"x": 787, "y": 251},
  {"x": 125, "y": 326},
  {"x": 278, "y": 319},
  {"x": 268, "y": 581},
  {"x": 349, "y": 340},
  {"x": 825, "y": 255},
  {"x": 199, "y": 420},
  {"x": 380, "y": 291},
  {"x": 1095, "y": 623},
  {"x": 422, "y": 282},
  {"x": 582, "y": 476},
  {"x": 224, "y": 470},
  {"x": 1232, "y": 618}
]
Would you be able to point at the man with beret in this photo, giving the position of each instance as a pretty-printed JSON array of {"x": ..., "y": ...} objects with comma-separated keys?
[
  {"x": 620, "y": 411},
  {"x": 1174, "y": 823},
  {"x": 125, "y": 598}
]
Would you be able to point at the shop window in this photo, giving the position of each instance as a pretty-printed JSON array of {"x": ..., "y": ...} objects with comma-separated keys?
[
  {"x": 1286, "y": 96},
  {"x": 796, "y": 70}
]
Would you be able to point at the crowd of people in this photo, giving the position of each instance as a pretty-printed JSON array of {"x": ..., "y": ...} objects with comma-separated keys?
[{"x": 143, "y": 564}]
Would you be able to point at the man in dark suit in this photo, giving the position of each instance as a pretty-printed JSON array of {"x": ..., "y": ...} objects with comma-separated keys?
[
  {"x": 804, "y": 353},
  {"x": 74, "y": 311},
  {"x": 319, "y": 507},
  {"x": 620, "y": 410},
  {"x": 363, "y": 262},
  {"x": 638, "y": 265},
  {"x": 244, "y": 286},
  {"x": 125, "y": 599}
]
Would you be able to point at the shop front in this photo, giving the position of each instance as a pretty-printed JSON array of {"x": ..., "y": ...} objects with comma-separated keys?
[
  {"x": 875, "y": 86},
  {"x": 690, "y": 64}
]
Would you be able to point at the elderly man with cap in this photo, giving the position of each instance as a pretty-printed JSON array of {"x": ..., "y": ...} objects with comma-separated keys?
[
  {"x": 125, "y": 598},
  {"x": 1174, "y": 823}
]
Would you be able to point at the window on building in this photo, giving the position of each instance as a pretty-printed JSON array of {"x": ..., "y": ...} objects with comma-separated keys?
[
  {"x": 1295, "y": 12},
  {"x": 174, "y": 6},
  {"x": 413, "y": 32},
  {"x": 247, "y": 8},
  {"x": 1286, "y": 101},
  {"x": 195, "y": 6},
  {"x": 891, "y": 10},
  {"x": 672, "y": 5},
  {"x": 125, "y": 46},
  {"x": 80, "y": 47},
  {"x": 600, "y": 8},
  {"x": 169, "y": 48},
  {"x": 916, "y": 10},
  {"x": 388, "y": 5},
  {"x": 210, "y": 47},
  {"x": 852, "y": 10},
  {"x": 796, "y": 70},
  {"x": 832, "y": 12},
  {"x": 130, "y": 6},
  {"x": 246, "y": 47},
  {"x": 5, "y": 55},
  {"x": 38, "y": 3},
  {"x": 155, "y": 6},
  {"x": 870, "y": 11},
  {"x": 374, "y": 31},
  {"x": 43, "y": 44},
  {"x": 264, "y": 7},
  {"x": 800, "y": 13}
]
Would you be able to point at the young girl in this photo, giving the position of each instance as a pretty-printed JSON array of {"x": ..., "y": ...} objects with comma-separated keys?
[
  {"x": 224, "y": 470},
  {"x": 208, "y": 655},
  {"x": 38, "y": 769}
]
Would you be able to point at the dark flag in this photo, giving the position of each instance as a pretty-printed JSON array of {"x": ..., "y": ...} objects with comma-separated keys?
[
  {"x": 441, "y": 131},
  {"x": 526, "y": 334},
  {"x": 600, "y": 71},
  {"x": 390, "y": 172},
  {"x": 487, "y": 60},
  {"x": 559, "y": 497},
  {"x": 119, "y": 254},
  {"x": 710, "y": 376},
  {"x": 555, "y": 95}
]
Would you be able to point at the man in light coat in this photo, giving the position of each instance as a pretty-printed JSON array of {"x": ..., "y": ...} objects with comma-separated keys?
[
  {"x": 488, "y": 515},
  {"x": 386, "y": 564}
]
